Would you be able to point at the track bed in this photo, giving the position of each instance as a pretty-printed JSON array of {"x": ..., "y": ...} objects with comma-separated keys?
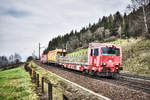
[{"x": 124, "y": 88}]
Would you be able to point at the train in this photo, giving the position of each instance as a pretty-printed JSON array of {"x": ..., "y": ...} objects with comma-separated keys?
[{"x": 101, "y": 59}]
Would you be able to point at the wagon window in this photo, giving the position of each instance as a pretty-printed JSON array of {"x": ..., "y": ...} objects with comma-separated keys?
[
  {"x": 91, "y": 52},
  {"x": 58, "y": 54},
  {"x": 96, "y": 52},
  {"x": 63, "y": 54}
]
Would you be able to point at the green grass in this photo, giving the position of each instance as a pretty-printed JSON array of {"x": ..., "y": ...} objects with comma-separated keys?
[
  {"x": 118, "y": 42},
  {"x": 79, "y": 53},
  {"x": 15, "y": 84}
]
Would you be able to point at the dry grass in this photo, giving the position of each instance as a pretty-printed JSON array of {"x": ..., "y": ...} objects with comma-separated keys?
[{"x": 136, "y": 57}]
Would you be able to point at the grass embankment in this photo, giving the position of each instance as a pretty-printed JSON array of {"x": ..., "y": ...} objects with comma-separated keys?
[
  {"x": 15, "y": 84},
  {"x": 56, "y": 91},
  {"x": 136, "y": 57}
]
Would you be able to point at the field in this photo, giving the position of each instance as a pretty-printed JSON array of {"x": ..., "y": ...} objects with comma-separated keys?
[{"x": 15, "y": 84}]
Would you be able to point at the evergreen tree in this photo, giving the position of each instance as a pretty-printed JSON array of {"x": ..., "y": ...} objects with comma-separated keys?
[{"x": 116, "y": 23}]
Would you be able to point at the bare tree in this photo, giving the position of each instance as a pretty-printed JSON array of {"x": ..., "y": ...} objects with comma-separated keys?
[
  {"x": 17, "y": 58},
  {"x": 137, "y": 4},
  {"x": 11, "y": 59},
  {"x": 3, "y": 61}
]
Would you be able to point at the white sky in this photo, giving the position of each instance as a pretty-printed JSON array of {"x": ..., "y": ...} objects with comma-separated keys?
[{"x": 25, "y": 23}]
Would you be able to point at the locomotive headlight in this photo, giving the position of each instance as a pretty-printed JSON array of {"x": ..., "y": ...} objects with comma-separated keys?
[
  {"x": 104, "y": 64},
  {"x": 110, "y": 61},
  {"x": 117, "y": 64}
]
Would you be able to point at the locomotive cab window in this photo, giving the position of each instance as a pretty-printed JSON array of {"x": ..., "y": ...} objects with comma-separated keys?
[
  {"x": 111, "y": 51},
  {"x": 96, "y": 52},
  {"x": 91, "y": 52}
]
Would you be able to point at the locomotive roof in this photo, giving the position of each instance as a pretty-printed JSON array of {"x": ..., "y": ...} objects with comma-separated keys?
[
  {"x": 58, "y": 50},
  {"x": 101, "y": 44}
]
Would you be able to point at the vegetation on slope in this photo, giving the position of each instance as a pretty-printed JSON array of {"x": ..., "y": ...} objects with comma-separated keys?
[
  {"x": 136, "y": 57},
  {"x": 15, "y": 84},
  {"x": 81, "y": 52}
]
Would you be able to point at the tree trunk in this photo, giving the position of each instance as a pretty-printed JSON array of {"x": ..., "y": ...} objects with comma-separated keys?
[{"x": 145, "y": 22}]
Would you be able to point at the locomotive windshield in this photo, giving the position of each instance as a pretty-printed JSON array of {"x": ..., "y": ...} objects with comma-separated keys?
[{"x": 111, "y": 51}]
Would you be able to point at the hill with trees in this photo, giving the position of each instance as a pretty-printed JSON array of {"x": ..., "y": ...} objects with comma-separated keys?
[{"x": 107, "y": 28}]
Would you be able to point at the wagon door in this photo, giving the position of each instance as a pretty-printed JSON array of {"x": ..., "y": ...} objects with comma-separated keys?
[
  {"x": 90, "y": 56},
  {"x": 95, "y": 57}
]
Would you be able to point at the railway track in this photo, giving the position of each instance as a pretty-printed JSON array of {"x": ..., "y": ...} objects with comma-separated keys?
[
  {"x": 135, "y": 76},
  {"x": 134, "y": 84},
  {"x": 95, "y": 83},
  {"x": 138, "y": 83}
]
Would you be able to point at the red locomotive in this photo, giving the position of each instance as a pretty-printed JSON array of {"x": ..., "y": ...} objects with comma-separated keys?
[{"x": 104, "y": 59}]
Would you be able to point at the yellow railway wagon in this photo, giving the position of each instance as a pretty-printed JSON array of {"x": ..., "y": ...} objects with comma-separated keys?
[{"x": 52, "y": 55}]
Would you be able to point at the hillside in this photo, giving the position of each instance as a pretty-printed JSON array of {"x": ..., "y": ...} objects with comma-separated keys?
[{"x": 136, "y": 57}]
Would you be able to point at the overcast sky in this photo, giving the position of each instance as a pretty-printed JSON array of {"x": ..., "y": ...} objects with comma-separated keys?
[{"x": 25, "y": 23}]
